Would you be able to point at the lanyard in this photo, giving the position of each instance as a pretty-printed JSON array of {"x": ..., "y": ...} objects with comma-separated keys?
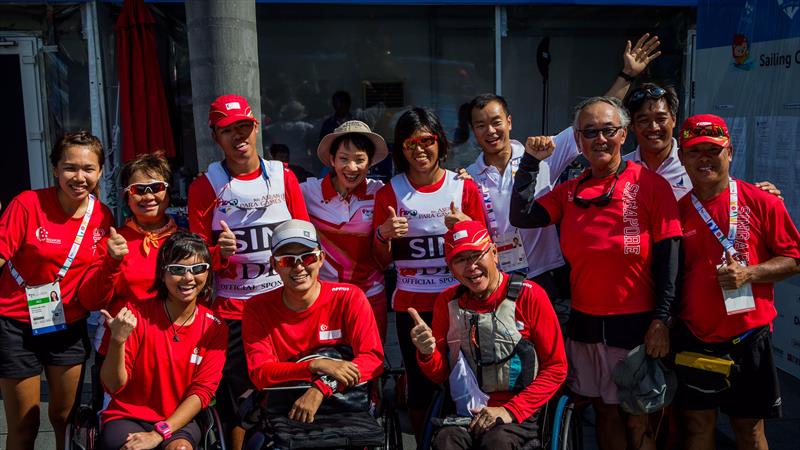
[
  {"x": 76, "y": 245},
  {"x": 733, "y": 218},
  {"x": 491, "y": 216}
]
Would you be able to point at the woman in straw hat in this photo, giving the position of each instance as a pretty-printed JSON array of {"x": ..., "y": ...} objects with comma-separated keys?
[{"x": 341, "y": 206}]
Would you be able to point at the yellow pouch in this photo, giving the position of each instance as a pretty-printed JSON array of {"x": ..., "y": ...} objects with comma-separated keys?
[{"x": 708, "y": 363}]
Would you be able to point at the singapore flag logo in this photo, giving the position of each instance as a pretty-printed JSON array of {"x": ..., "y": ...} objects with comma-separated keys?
[{"x": 789, "y": 7}]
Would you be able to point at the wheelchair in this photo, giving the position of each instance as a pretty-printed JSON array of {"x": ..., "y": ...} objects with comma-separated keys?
[
  {"x": 559, "y": 420},
  {"x": 377, "y": 427},
  {"x": 83, "y": 428}
]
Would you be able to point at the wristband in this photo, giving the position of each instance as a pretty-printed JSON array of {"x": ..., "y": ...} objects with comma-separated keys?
[
  {"x": 625, "y": 76},
  {"x": 163, "y": 429},
  {"x": 380, "y": 237}
]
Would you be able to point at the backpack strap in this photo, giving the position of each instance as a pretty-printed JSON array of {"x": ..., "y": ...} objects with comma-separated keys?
[{"x": 515, "y": 284}]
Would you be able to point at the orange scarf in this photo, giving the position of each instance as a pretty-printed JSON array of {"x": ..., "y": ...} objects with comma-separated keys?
[{"x": 151, "y": 238}]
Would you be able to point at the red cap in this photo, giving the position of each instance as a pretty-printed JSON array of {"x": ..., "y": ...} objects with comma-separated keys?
[
  {"x": 465, "y": 236},
  {"x": 704, "y": 128},
  {"x": 228, "y": 109}
]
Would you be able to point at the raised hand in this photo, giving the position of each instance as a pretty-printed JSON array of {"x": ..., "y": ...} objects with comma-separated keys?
[
  {"x": 455, "y": 216},
  {"x": 117, "y": 245},
  {"x": 226, "y": 240},
  {"x": 540, "y": 147},
  {"x": 121, "y": 326},
  {"x": 636, "y": 58},
  {"x": 394, "y": 226},
  {"x": 421, "y": 334},
  {"x": 462, "y": 174}
]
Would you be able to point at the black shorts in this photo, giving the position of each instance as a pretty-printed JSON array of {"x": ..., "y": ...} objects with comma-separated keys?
[
  {"x": 419, "y": 388},
  {"x": 754, "y": 392},
  {"x": 235, "y": 378},
  {"x": 115, "y": 433},
  {"x": 23, "y": 355}
]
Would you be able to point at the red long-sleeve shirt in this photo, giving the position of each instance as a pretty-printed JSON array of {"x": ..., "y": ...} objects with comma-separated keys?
[
  {"x": 275, "y": 336},
  {"x": 163, "y": 372},
  {"x": 540, "y": 326},
  {"x": 203, "y": 199}
]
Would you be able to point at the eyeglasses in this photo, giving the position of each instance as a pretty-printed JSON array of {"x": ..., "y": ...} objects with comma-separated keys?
[
  {"x": 601, "y": 200},
  {"x": 704, "y": 129},
  {"x": 180, "y": 269},
  {"x": 592, "y": 133},
  {"x": 153, "y": 187},
  {"x": 290, "y": 261},
  {"x": 463, "y": 261},
  {"x": 654, "y": 92},
  {"x": 422, "y": 141}
]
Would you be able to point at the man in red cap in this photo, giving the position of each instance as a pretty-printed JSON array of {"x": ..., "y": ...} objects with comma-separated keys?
[
  {"x": 496, "y": 328},
  {"x": 234, "y": 206},
  {"x": 738, "y": 241}
]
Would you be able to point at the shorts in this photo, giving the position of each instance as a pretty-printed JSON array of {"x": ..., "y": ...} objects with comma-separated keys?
[
  {"x": 419, "y": 389},
  {"x": 23, "y": 355},
  {"x": 590, "y": 369},
  {"x": 235, "y": 377},
  {"x": 115, "y": 433},
  {"x": 754, "y": 392}
]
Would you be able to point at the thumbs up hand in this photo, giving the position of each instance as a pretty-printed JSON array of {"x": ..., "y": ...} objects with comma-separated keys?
[
  {"x": 421, "y": 334},
  {"x": 116, "y": 244},
  {"x": 732, "y": 274},
  {"x": 395, "y": 226},
  {"x": 226, "y": 240},
  {"x": 455, "y": 216},
  {"x": 121, "y": 326}
]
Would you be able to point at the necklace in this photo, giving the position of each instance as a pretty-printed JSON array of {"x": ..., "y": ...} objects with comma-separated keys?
[{"x": 172, "y": 325}]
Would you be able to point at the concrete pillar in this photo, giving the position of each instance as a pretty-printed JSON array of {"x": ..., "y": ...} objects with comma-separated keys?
[{"x": 223, "y": 59}]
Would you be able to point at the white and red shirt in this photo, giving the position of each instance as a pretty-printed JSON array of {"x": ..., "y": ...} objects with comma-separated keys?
[
  {"x": 536, "y": 321},
  {"x": 419, "y": 256},
  {"x": 252, "y": 205},
  {"x": 610, "y": 247},
  {"x": 764, "y": 230},
  {"x": 344, "y": 227},
  {"x": 541, "y": 244},
  {"x": 163, "y": 372},
  {"x": 275, "y": 337},
  {"x": 671, "y": 169},
  {"x": 36, "y": 236}
]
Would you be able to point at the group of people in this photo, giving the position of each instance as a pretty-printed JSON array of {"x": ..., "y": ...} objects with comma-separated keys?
[{"x": 666, "y": 250}]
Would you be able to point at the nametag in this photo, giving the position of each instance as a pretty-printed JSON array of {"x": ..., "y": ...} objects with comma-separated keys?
[
  {"x": 740, "y": 300},
  {"x": 45, "y": 308},
  {"x": 511, "y": 252},
  {"x": 330, "y": 335}
]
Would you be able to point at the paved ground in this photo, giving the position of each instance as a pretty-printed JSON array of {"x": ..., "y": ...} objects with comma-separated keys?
[{"x": 783, "y": 434}]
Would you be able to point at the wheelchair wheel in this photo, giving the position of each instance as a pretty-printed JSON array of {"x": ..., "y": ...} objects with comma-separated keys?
[
  {"x": 567, "y": 427},
  {"x": 82, "y": 430},
  {"x": 392, "y": 434},
  {"x": 213, "y": 435}
]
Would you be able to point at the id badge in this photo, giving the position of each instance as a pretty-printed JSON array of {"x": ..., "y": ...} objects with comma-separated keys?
[
  {"x": 45, "y": 308},
  {"x": 511, "y": 252}
]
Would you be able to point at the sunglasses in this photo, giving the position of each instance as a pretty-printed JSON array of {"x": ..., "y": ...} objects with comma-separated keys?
[
  {"x": 601, "y": 200},
  {"x": 180, "y": 269},
  {"x": 704, "y": 129},
  {"x": 652, "y": 92},
  {"x": 422, "y": 141},
  {"x": 290, "y": 261},
  {"x": 143, "y": 188},
  {"x": 468, "y": 261},
  {"x": 592, "y": 133}
]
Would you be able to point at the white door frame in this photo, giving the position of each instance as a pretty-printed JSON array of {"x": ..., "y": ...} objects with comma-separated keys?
[{"x": 29, "y": 47}]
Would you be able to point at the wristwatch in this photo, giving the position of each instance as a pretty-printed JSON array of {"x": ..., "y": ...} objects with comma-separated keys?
[{"x": 162, "y": 428}]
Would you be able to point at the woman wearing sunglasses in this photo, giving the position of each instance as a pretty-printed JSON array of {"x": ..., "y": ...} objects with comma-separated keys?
[
  {"x": 124, "y": 271},
  {"x": 341, "y": 206},
  {"x": 48, "y": 238},
  {"x": 165, "y": 356},
  {"x": 620, "y": 232},
  {"x": 412, "y": 214}
]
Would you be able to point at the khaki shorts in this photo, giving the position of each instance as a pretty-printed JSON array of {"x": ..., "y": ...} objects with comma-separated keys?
[{"x": 590, "y": 368}]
